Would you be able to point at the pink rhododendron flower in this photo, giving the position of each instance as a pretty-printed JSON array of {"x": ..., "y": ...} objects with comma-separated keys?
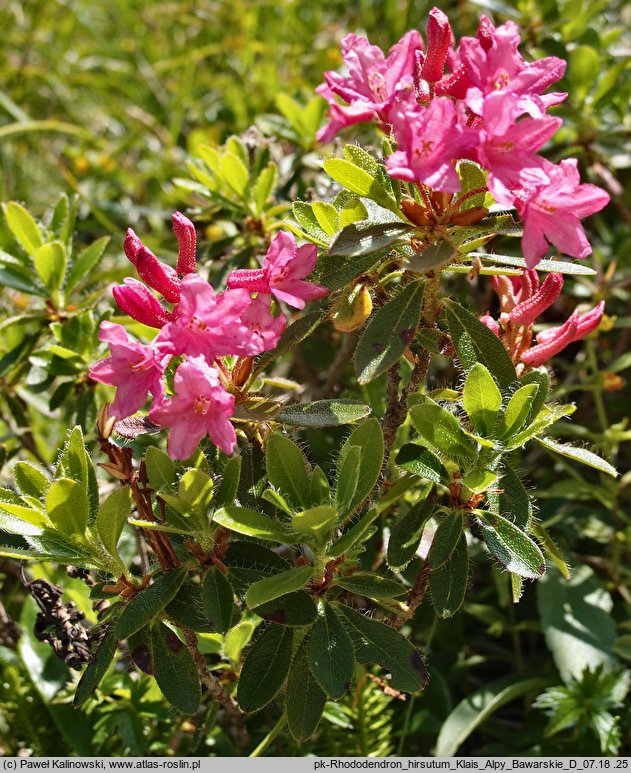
[
  {"x": 551, "y": 212},
  {"x": 186, "y": 236},
  {"x": 260, "y": 320},
  {"x": 372, "y": 84},
  {"x": 137, "y": 300},
  {"x": 201, "y": 406},
  {"x": 284, "y": 268},
  {"x": 133, "y": 368},
  {"x": 429, "y": 140},
  {"x": 208, "y": 324}
]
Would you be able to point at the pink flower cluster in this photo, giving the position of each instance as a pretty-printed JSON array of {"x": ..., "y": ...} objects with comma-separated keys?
[
  {"x": 480, "y": 101},
  {"x": 201, "y": 327},
  {"x": 522, "y": 300}
]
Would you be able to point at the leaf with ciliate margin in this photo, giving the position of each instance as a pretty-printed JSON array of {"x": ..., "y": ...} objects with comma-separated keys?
[
  {"x": 97, "y": 667},
  {"x": 482, "y": 399},
  {"x": 541, "y": 378},
  {"x": 366, "y": 238},
  {"x": 434, "y": 256},
  {"x": 68, "y": 507},
  {"x": 442, "y": 430},
  {"x": 353, "y": 535},
  {"x": 112, "y": 517},
  {"x": 146, "y": 605},
  {"x": 375, "y": 642},
  {"x": 579, "y": 455},
  {"x": 227, "y": 490},
  {"x": 511, "y": 501},
  {"x": 518, "y": 410},
  {"x": 218, "y": 599},
  {"x": 265, "y": 668},
  {"x": 559, "y": 266},
  {"x": 242, "y": 520},
  {"x": 448, "y": 581},
  {"x": 305, "y": 699},
  {"x": 445, "y": 540},
  {"x": 514, "y": 549},
  {"x": 322, "y": 413},
  {"x": 347, "y": 478},
  {"x": 287, "y": 469},
  {"x": 23, "y": 227},
  {"x": 330, "y": 653},
  {"x": 371, "y": 585},
  {"x": 175, "y": 670},
  {"x": 405, "y": 535},
  {"x": 389, "y": 332},
  {"x": 271, "y": 588},
  {"x": 474, "y": 343},
  {"x": 296, "y": 609},
  {"x": 160, "y": 468},
  {"x": 421, "y": 461},
  {"x": 31, "y": 480},
  {"x": 357, "y": 180},
  {"x": 368, "y": 436}
]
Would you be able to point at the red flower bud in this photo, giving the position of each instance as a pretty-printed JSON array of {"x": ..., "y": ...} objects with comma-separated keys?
[
  {"x": 158, "y": 275},
  {"x": 526, "y": 312},
  {"x": 253, "y": 279},
  {"x": 439, "y": 40},
  {"x": 186, "y": 237},
  {"x": 137, "y": 301}
]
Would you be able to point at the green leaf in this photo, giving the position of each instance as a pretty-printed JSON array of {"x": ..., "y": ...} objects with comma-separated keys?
[
  {"x": 579, "y": 455},
  {"x": 560, "y": 266},
  {"x": 304, "y": 699},
  {"x": 471, "y": 176},
  {"x": 576, "y": 620},
  {"x": 218, "y": 599},
  {"x": 97, "y": 668},
  {"x": 365, "y": 238},
  {"x": 375, "y": 642},
  {"x": 315, "y": 522},
  {"x": 515, "y": 551},
  {"x": 479, "y": 480},
  {"x": 291, "y": 336},
  {"x": 50, "y": 264},
  {"x": 389, "y": 332},
  {"x": 296, "y": 609},
  {"x": 512, "y": 501},
  {"x": 541, "y": 378},
  {"x": 547, "y": 416},
  {"x": 112, "y": 517},
  {"x": 175, "y": 670},
  {"x": 551, "y": 550},
  {"x": 584, "y": 67},
  {"x": 347, "y": 479},
  {"x": 518, "y": 410},
  {"x": 352, "y": 211},
  {"x": 195, "y": 492},
  {"x": 251, "y": 523},
  {"x": 432, "y": 257},
  {"x": 229, "y": 485},
  {"x": 476, "y": 708},
  {"x": 481, "y": 399},
  {"x": 271, "y": 588},
  {"x": 147, "y": 604},
  {"x": 235, "y": 173},
  {"x": 355, "y": 534},
  {"x": 442, "y": 430},
  {"x": 160, "y": 467},
  {"x": 359, "y": 181},
  {"x": 264, "y": 186},
  {"x": 474, "y": 343},
  {"x": 373, "y": 586},
  {"x": 369, "y": 438},
  {"x": 446, "y": 538},
  {"x": 322, "y": 413},
  {"x": 421, "y": 461},
  {"x": 67, "y": 506},
  {"x": 186, "y": 610},
  {"x": 303, "y": 212},
  {"x": 327, "y": 217},
  {"x": 18, "y": 526},
  {"x": 448, "y": 581},
  {"x": 249, "y": 562},
  {"x": 87, "y": 260},
  {"x": 265, "y": 668},
  {"x": 336, "y": 274},
  {"x": 405, "y": 535},
  {"x": 23, "y": 227},
  {"x": 330, "y": 653},
  {"x": 31, "y": 480},
  {"x": 75, "y": 462},
  {"x": 319, "y": 488},
  {"x": 287, "y": 469}
]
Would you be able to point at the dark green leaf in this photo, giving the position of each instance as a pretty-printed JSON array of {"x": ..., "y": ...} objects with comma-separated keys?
[
  {"x": 443, "y": 430},
  {"x": 295, "y": 609},
  {"x": 242, "y": 520},
  {"x": 421, "y": 461},
  {"x": 319, "y": 488},
  {"x": 86, "y": 262},
  {"x": 265, "y": 668},
  {"x": 445, "y": 540},
  {"x": 187, "y": 610},
  {"x": 390, "y": 331},
  {"x": 541, "y": 378},
  {"x": 347, "y": 478},
  {"x": 227, "y": 490},
  {"x": 474, "y": 342},
  {"x": 512, "y": 501},
  {"x": 355, "y": 534},
  {"x": 218, "y": 599},
  {"x": 305, "y": 699},
  {"x": 161, "y": 468},
  {"x": 448, "y": 581},
  {"x": 175, "y": 670},
  {"x": 322, "y": 413},
  {"x": 290, "y": 338},
  {"x": 405, "y": 535},
  {"x": 369, "y": 438},
  {"x": 434, "y": 256},
  {"x": 271, "y": 588},
  {"x": 287, "y": 469},
  {"x": 97, "y": 667},
  {"x": 371, "y": 585},
  {"x": 330, "y": 653},
  {"x": 249, "y": 562},
  {"x": 366, "y": 238},
  {"x": 512, "y": 547},
  {"x": 376, "y": 642},
  {"x": 148, "y": 604}
]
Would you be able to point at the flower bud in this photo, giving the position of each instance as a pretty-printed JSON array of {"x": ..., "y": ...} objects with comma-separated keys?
[
  {"x": 255, "y": 280},
  {"x": 131, "y": 245},
  {"x": 439, "y": 40},
  {"x": 485, "y": 33},
  {"x": 137, "y": 301},
  {"x": 417, "y": 214},
  {"x": 487, "y": 319},
  {"x": 158, "y": 275},
  {"x": 526, "y": 312},
  {"x": 186, "y": 236},
  {"x": 557, "y": 339}
]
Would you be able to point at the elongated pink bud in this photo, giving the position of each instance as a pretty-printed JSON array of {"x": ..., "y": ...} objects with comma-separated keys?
[
  {"x": 558, "y": 338},
  {"x": 158, "y": 275},
  {"x": 137, "y": 301},
  {"x": 487, "y": 319},
  {"x": 485, "y": 33},
  {"x": 589, "y": 321},
  {"x": 253, "y": 279},
  {"x": 528, "y": 284},
  {"x": 455, "y": 84},
  {"x": 186, "y": 236},
  {"x": 421, "y": 89},
  {"x": 131, "y": 245},
  {"x": 505, "y": 291},
  {"x": 526, "y": 312},
  {"x": 439, "y": 40}
]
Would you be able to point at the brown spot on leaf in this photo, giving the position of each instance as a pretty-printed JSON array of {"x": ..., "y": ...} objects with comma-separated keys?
[
  {"x": 378, "y": 346},
  {"x": 406, "y": 335},
  {"x": 142, "y": 658},
  {"x": 276, "y": 616},
  {"x": 418, "y": 664},
  {"x": 173, "y": 643}
]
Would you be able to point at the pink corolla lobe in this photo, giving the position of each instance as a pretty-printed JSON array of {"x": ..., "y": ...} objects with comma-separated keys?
[
  {"x": 135, "y": 299},
  {"x": 135, "y": 369},
  {"x": 551, "y": 212},
  {"x": 201, "y": 406},
  {"x": 284, "y": 269}
]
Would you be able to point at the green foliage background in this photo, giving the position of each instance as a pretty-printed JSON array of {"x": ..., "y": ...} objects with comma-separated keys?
[{"x": 109, "y": 101}]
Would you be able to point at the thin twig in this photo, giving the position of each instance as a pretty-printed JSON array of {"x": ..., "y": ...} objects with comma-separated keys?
[{"x": 214, "y": 688}]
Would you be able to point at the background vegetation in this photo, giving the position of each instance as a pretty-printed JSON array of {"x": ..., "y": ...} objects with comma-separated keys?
[{"x": 111, "y": 104}]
